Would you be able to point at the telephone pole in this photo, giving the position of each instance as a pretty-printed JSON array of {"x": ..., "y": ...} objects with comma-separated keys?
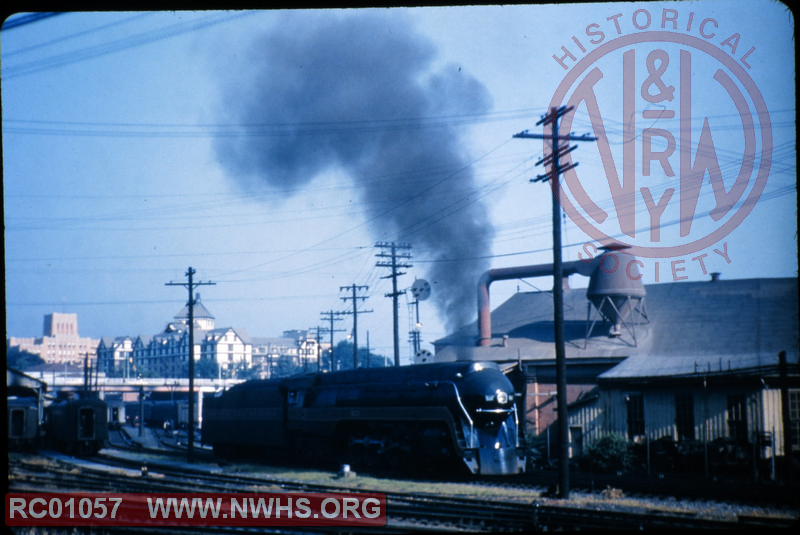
[
  {"x": 332, "y": 317},
  {"x": 355, "y": 298},
  {"x": 318, "y": 340},
  {"x": 396, "y": 263},
  {"x": 553, "y": 160},
  {"x": 191, "y": 285}
]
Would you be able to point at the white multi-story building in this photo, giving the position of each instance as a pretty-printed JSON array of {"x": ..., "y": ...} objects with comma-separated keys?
[
  {"x": 231, "y": 348},
  {"x": 228, "y": 350},
  {"x": 115, "y": 353}
]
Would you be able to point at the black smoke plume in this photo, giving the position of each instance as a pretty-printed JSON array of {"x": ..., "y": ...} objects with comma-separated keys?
[{"x": 356, "y": 92}]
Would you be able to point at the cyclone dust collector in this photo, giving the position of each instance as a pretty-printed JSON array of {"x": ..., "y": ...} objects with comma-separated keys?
[{"x": 616, "y": 295}]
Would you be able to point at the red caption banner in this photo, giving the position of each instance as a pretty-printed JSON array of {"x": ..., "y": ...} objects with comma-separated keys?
[{"x": 179, "y": 509}]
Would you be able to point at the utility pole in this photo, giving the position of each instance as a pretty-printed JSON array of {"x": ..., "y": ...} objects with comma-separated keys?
[
  {"x": 331, "y": 318},
  {"x": 318, "y": 340},
  {"x": 397, "y": 261},
  {"x": 354, "y": 298},
  {"x": 86, "y": 375},
  {"x": 191, "y": 285},
  {"x": 786, "y": 421},
  {"x": 554, "y": 176},
  {"x": 368, "y": 351}
]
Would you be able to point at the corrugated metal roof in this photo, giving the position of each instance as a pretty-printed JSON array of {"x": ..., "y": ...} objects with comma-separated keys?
[
  {"x": 686, "y": 320},
  {"x": 652, "y": 366}
]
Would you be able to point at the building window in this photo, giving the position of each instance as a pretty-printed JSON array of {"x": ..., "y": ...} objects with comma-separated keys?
[
  {"x": 575, "y": 442},
  {"x": 794, "y": 418},
  {"x": 684, "y": 416},
  {"x": 737, "y": 417},
  {"x": 635, "y": 409}
]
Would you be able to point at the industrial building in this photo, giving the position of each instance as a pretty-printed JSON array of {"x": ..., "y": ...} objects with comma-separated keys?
[{"x": 692, "y": 363}]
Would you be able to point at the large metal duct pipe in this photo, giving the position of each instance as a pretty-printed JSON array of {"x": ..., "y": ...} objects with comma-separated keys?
[
  {"x": 520, "y": 272},
  {"x": 614, "y": 276}
]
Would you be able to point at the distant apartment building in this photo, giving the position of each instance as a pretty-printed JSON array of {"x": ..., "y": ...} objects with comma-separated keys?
[
  {"x": 166, "y": 354},
  {"x": 115, "y": 353},
  {"x": 60, "y": 343},
  {"x": 294, "y": 350}
]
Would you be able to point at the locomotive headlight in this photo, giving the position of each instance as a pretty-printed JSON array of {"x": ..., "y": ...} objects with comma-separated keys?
[{"x": 502, "y": 397}]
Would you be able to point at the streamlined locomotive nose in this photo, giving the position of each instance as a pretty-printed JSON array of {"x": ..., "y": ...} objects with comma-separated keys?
[{"x": 487, "y": 391}]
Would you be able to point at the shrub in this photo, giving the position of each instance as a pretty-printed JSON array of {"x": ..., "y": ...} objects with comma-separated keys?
[{"x": 610, "y": 453}]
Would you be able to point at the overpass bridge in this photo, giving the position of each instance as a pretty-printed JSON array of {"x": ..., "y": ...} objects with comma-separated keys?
[{"x": 50, "y": 384}]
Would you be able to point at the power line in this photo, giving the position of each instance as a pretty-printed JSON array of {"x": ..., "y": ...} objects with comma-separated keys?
[
  {"x": 26, "y": 19},
  {"x": 124, "y": 43}
]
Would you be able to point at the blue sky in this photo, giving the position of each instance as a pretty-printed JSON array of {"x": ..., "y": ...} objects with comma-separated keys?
[{"x": 271, "y": 151}]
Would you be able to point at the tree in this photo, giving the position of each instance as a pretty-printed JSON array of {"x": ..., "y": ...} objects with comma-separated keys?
[
  {"x": 343, "y": 355},
  {"x": 20, "y": 359},
  {"x": 205, "y": 368}
]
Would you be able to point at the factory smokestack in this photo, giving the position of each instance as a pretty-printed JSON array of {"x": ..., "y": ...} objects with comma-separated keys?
[{"x": 358, "y": 91}]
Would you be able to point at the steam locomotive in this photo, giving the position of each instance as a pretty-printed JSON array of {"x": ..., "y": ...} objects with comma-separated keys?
[{"x": 460, "y": 415}]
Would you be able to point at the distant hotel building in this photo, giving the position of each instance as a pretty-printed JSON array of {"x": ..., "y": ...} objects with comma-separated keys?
[
  {"x": 233, "y": 351},
  {"x": 60, "y": 343}
]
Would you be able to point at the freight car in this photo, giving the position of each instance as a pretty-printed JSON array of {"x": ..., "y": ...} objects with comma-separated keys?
[
  {"x": 77, "y": 426},
  {"x": 23, "y": 423},
  {"x": 428, "y": 416}
]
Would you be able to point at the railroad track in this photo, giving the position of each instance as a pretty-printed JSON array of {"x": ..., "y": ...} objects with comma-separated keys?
[
  {"x": 405, "y": 512},
  {"x": 475, "y": 515},
  {"x": 644, "y": 486}
]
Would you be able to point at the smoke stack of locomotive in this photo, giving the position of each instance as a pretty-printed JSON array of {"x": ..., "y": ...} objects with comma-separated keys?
[{"x": 614, "y": 283}]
